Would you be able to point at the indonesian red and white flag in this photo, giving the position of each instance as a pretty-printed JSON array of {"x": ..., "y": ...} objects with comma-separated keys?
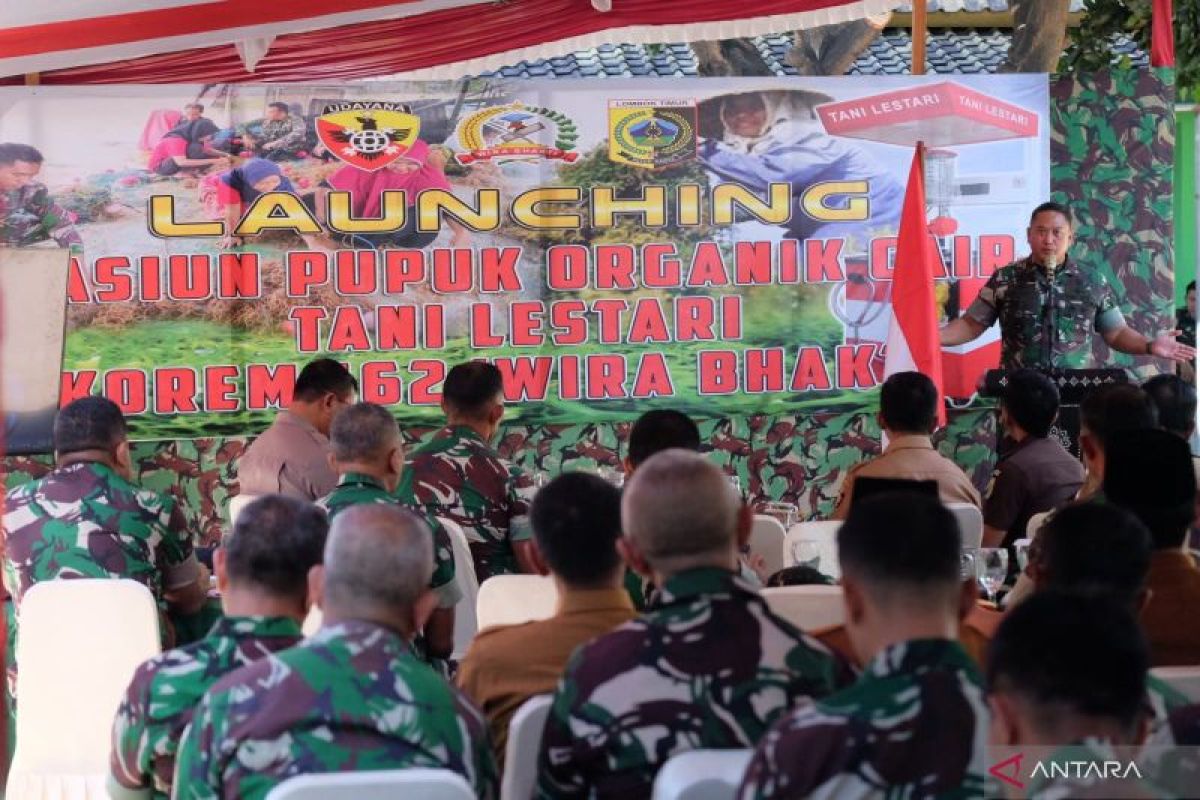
[{"x": 912, "y": 344}]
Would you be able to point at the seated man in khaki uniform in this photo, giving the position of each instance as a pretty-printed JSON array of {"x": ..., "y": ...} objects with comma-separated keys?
[
  {"x": 907, "y": 414},
  {"x": 292, "y": 456}
]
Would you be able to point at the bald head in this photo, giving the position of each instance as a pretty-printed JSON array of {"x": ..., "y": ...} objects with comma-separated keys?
[
  {"x": 363, "y": 432},
  {"x": 680, "y": 512},
  {"x": 378, "y": 561}
]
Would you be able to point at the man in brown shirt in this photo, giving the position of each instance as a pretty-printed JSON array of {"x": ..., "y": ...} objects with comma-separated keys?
[
  {"x": 1036, "y": 475},
  {"x": 1150, "y": 473},
  {"x": 576, "y": 523},
  {"x": 292, "y": 456},
  {"x": 907, "y": 414}
]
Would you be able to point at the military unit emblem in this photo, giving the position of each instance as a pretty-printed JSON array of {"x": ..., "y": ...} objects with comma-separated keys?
[
  {"x": 516, "y": 132},
  {"x": 652, "y": 134}
]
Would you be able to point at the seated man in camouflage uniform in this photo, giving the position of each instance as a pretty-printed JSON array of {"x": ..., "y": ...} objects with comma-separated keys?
[
  {"x": 369, "y": 458},
  {"x": 915, "y": 723},
  {"x": 458, "y": 475},
  {"x": 707, "y": 666},
  {"x": 87, "y": 519},
  {"x": 1067, "y": 671},
  {"x": 352, "y": 697},
  {"x": 282, "y": 137},
  {"x": 262, "y": 571},
  {"x": 28, "y": 214},
  {"x": 1020, "y": 296}
]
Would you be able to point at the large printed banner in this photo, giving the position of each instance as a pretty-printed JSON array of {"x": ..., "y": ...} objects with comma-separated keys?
[{"x": 721, "y": 246}]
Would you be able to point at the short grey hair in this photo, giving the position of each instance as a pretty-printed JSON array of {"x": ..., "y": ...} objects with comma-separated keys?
[
  {"x": 363, "y": 432},
  {"x": 679, "y": 508},
  {"x": 377, "y": 556}
]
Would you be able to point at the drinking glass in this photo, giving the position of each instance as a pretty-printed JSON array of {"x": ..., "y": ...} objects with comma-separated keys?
[
  {"x": 540, "y": 479},
  {"x": 966, "y": 562},
  {"x": 991, "y": 567},
  {"x": 736, "y": 483},
  {"x": 806, "y": 553},
  {"x": 784, "y": 512}
]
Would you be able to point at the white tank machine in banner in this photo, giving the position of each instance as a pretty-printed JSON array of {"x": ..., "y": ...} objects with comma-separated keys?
[{"x": 966, "y": 193}]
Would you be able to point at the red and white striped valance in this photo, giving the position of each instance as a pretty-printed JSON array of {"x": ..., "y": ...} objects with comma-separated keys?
[{"x": 181, "y": 41}]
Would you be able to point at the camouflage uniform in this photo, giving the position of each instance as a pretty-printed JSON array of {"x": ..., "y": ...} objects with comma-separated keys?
[
  {"x": 159, "y": 702},
  {"x": 1186, "y": 324},
  {"x": 707, "y": 666},
  {"x": 1018, "y": 295},
  {"x": 1163, "y": 699},
  {"x": 1185, "y": 726},
  {"x": 28, "y": 215},
  {"x": 355, "y": 488},
  {"x": 914, "y": 725},
  {"x": 288, "y": 134},
  {"x": 353, "y": 697},
  {"x": 457, "y": 475},
  {"x": 84, "y": 520}
]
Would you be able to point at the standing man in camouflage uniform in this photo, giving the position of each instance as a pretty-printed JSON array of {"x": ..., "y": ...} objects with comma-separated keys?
[
  {"x": 28, "y": 214},
  {"x": 369, "y": 458},
  {"x": 458, "y": 475},
  {"x": 708, "y": 665},
  {"x": 916, "y": 722},
  {"x": 86, "y": 519},
  {"x": 1046, "y": 320},
  {"x": 262, "y": 572},
  {"x": 352, "y": 697},
  {"x": 283, "y": 135}
]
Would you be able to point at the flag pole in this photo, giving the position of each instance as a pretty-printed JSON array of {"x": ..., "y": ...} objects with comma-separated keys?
[{"x": 920, "y": 27}]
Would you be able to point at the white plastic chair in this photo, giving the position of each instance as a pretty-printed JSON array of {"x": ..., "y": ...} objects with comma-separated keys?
[
  {"x": 1185, "y": 680},
  {"x": 79, "y": 644},
  {"x": 522, "y": 748},
  {"x": 824, "y": 533},
  {"x": 702, "y": 775},
  {"x": 465, "y": 624},
  {"x": 766, "y": 540},
  {"x": 237, "y": 503},
  {"x": 513, "y": 599},
  {"x": 970, "y": 524},
  {"x": 809, "y": 608},
  {"x": 312, "y": 621},
  {"x": 387, "y": 784},
  {"x": 1035, "y": 524}
]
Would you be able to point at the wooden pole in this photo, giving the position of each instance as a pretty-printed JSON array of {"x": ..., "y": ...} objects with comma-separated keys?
[{"x": 920, "y": 27}]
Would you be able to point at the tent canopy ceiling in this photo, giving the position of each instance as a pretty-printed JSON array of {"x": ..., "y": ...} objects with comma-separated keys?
[{"x": 235, "y": 40}]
